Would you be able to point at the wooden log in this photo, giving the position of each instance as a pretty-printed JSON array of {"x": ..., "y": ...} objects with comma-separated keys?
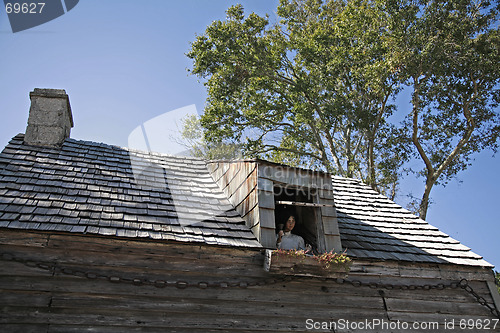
[
  {"x": 23, "y": 297},
  {"x": 26, "y": 328},
  {"x": 33, "y": 295},
  {"x": 432, "y": 306},
  {"x": 22, "y": 237}
]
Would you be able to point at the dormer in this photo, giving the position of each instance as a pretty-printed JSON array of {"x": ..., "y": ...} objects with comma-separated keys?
[{"x": 266, "y": 193}]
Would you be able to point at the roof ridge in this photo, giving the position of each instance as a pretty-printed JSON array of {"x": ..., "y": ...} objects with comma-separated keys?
[{"x": 72, "y": 141}]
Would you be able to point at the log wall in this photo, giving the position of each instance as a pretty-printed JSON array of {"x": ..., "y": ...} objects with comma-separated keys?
[{"x": 36, "y": 299}]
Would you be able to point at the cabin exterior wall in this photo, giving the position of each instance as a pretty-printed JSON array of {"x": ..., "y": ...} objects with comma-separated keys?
[{"x": 201, "y": 288}]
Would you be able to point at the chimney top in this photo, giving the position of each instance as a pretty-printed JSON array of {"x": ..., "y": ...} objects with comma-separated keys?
[{"x": 50, "y": 119}]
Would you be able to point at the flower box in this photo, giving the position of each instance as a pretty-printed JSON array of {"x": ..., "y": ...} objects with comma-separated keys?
[{"x": 298, "y": 263}]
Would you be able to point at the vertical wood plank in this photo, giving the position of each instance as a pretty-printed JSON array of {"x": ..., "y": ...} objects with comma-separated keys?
[
  {"x": 267, "y": 218},
  {"x": 268, "y": 238},
  {"x": 333, "y": 243},
  {"x": 266, "y": 199}
]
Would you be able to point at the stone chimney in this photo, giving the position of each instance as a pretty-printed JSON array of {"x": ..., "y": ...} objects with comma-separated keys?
[{"x": 50, "y": 119}]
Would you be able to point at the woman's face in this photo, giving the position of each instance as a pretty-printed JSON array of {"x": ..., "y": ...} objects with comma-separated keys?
[{"x": 290, "y": 223}]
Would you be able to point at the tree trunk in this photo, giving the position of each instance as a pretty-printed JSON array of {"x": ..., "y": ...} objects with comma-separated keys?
[
  {"x": 371, "y": 164},
  {"x": 349, "y": 171},
  {"x": 424, "y": 204}
]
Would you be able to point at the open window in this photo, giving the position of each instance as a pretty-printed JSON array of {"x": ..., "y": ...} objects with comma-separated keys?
[
  {"x": 298, "y": 202},
  {"x": 265, "y": 194}
]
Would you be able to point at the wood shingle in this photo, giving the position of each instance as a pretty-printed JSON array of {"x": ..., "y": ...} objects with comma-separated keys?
[
  {"x": 373, "y": 227},
  {"x": 92, "y": 188}
]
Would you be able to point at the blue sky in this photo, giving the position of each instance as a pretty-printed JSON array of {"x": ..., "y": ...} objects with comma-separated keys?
[{"x": 123, "y": 63}]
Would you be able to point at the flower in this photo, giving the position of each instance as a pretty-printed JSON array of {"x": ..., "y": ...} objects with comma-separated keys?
[
  {"x": 327, "y": 260},
  {"x": 300, "y": 254}
]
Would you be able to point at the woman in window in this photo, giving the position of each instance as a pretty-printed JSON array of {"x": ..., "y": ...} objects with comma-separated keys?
[{"x": 286, "y": 240}]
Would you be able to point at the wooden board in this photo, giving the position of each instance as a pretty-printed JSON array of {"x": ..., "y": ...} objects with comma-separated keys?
[{"x": 34, "y": 299}]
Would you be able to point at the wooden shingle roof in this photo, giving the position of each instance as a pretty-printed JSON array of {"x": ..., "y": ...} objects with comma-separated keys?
[
  {"x": 94, "y": 188},
  {"x": 374, "y": 227}
]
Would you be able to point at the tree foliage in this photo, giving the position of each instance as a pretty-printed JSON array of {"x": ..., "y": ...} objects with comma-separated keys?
[
  {"x": 313, "y": 90},
  {"x": 192, "y": 135},
  {"x": 317, "y": 88},
  {"x": 451, "y": 51}
]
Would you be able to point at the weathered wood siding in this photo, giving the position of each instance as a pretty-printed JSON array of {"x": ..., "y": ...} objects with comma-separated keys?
[
  {"x": 33, "y": 299},
  {"x": 238, "y": 180},
  {"x": 265, "y": 193}
]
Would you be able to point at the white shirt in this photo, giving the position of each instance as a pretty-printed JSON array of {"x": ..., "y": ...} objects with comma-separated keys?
[{"x": 291, "y": 241}]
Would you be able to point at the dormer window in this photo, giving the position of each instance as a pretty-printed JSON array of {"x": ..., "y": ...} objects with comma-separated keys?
[{"x": 264, "y": 193}]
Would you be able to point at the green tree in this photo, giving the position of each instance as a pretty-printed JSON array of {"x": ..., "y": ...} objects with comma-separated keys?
[
  {"x": 312, "y": 90},
  {"x": 316, "y": 88},
  {"x": 193, "y": 138},
  {"x": 451, "y": 51}
]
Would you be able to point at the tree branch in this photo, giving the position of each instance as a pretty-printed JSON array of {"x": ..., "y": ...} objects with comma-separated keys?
[
  {"x": 416, "y": 142},
  {"x": 269, "y": 148},
  {"x": 471, "y": 124},
  {"x": 332, "y": 144}
]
